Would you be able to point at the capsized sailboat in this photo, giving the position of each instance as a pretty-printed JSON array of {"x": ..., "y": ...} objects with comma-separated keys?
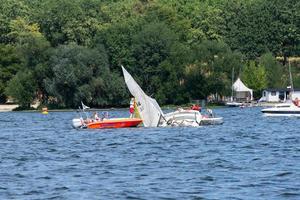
[
  {"x": 96, "y": 122},
  {"x": 183, "y": 117},
  {"x": 148, "y": 107},
  {"x": 153, "y": 116}
]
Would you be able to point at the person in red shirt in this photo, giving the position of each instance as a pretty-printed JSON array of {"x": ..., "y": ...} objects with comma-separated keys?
[{"x": 196, "y": 107}]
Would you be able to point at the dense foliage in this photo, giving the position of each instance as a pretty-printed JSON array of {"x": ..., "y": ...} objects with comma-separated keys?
[{"x": 62, "y": 52}]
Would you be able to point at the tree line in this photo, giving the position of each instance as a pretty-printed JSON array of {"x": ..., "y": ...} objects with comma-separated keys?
[{"x": 62, "y": 52}]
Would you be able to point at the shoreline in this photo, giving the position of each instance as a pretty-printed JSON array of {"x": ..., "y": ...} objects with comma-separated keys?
[{"x": 10, "y": 107}]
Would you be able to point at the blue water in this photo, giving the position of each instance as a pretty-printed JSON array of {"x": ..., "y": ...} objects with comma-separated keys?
[{"x": 248, "y": 157}]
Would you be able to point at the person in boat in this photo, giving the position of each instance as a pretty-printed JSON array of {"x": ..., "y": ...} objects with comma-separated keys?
[
  {"x": 296, "y": 102},
  {"x": 131, "y": 107},
  {"x": 104, "y": 115},
  {"x": 96, "y": 117},
  {"x": 210, "y": 113},
  {"x": 196, "y": 107}
]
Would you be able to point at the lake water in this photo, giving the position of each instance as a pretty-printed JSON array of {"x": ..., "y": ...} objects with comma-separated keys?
[{"x": 248, "y": 157}]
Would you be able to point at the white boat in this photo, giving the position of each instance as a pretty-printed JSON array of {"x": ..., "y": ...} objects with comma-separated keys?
[
  {"x": 182, "y": 117},
  {"x": 153, "y": 116},
  {"x": 211, "y": 121},
  {"x": 285, "y": 109},
  {"x": 233, "y": 104},
  {"x": 282, "y": 109},
  {"x": 190, "y": 118}
]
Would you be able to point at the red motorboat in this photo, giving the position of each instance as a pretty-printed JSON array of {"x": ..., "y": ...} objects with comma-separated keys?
[
  {"x": 106, "y": 123},
  {"x": 96, "y": 122},
  {"x": 115, "y": 123}
]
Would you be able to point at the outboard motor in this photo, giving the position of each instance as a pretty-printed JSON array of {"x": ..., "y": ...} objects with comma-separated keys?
[{"x": 77, "y": 123}]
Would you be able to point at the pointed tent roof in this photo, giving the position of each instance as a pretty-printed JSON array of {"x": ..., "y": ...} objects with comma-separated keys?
[{"x": 239, "y": 86}]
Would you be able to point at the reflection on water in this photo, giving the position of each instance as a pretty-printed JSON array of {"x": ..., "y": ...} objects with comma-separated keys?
[{"x": 248, "y": 157}]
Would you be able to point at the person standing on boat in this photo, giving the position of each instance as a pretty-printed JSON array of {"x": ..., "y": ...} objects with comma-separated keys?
[{"x": 131, "y": 107}]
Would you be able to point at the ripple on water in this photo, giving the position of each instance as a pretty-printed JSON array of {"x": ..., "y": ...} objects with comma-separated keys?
[{"x": 248, "y": 157}]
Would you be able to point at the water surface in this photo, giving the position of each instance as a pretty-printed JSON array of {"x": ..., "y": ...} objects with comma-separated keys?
[{"x": 248, "y": 157}]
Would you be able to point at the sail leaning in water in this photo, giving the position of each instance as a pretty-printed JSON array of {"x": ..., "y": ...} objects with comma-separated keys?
[
  {"x": 153, "y": 116},
  {"x": 148, "y": 108}
]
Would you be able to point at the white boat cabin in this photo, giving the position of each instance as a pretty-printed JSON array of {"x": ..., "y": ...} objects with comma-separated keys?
[{"x": 279, "y": 95}]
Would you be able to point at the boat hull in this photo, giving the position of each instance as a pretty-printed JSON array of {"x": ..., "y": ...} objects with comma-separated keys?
[
  {"x": 111, "y": 123},
  {"x": 285, "y": 109},
  {"x": 234, "y": 104},
  {"x": 281, "y": 113},
  {"x": 211, "y": 121}
]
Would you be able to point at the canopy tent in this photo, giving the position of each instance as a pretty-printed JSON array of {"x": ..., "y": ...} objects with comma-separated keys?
[{"x": 241, "y": 90}]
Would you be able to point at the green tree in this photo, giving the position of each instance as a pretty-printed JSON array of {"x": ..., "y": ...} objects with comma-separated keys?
[
  {"x": 10, "y": 63},
  {"x": 28, "y": 40},
  {"x": 151, "y": 46},
  {"x": 10, "y": 10},
  {"x": 195, "y": 82},
  {"x": 117, "y": 39},
  {"x": 82, "y": 74},
  {"x": 33, "y": 49},
  {"x": 274, "y": 71},
  {"x": 68, "y": 21},
  {"x": 22, "y": 88},
  {"x": 255, "y": 77},
  {"x": 259, "y": 26},
  {"x": 211, "y": 69}
]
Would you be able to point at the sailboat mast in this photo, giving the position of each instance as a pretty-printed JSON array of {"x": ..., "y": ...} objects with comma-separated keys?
[
  {"x": 232, "y": 78},
  {"x": 291, "y": 78}
]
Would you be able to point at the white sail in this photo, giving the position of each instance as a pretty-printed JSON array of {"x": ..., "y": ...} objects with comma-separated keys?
[{"x": 148, "y": 107}]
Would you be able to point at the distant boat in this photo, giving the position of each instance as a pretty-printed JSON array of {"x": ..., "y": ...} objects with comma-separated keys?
[
  {"x": 289, "y": 108},
  {"x": 234, "y": 104},
  {"x": 153, "y": 116},
  {"x": 282, "y": 109}
]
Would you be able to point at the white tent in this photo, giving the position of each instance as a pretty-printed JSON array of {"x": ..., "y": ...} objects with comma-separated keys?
[{"x": 242, "y": 90}]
